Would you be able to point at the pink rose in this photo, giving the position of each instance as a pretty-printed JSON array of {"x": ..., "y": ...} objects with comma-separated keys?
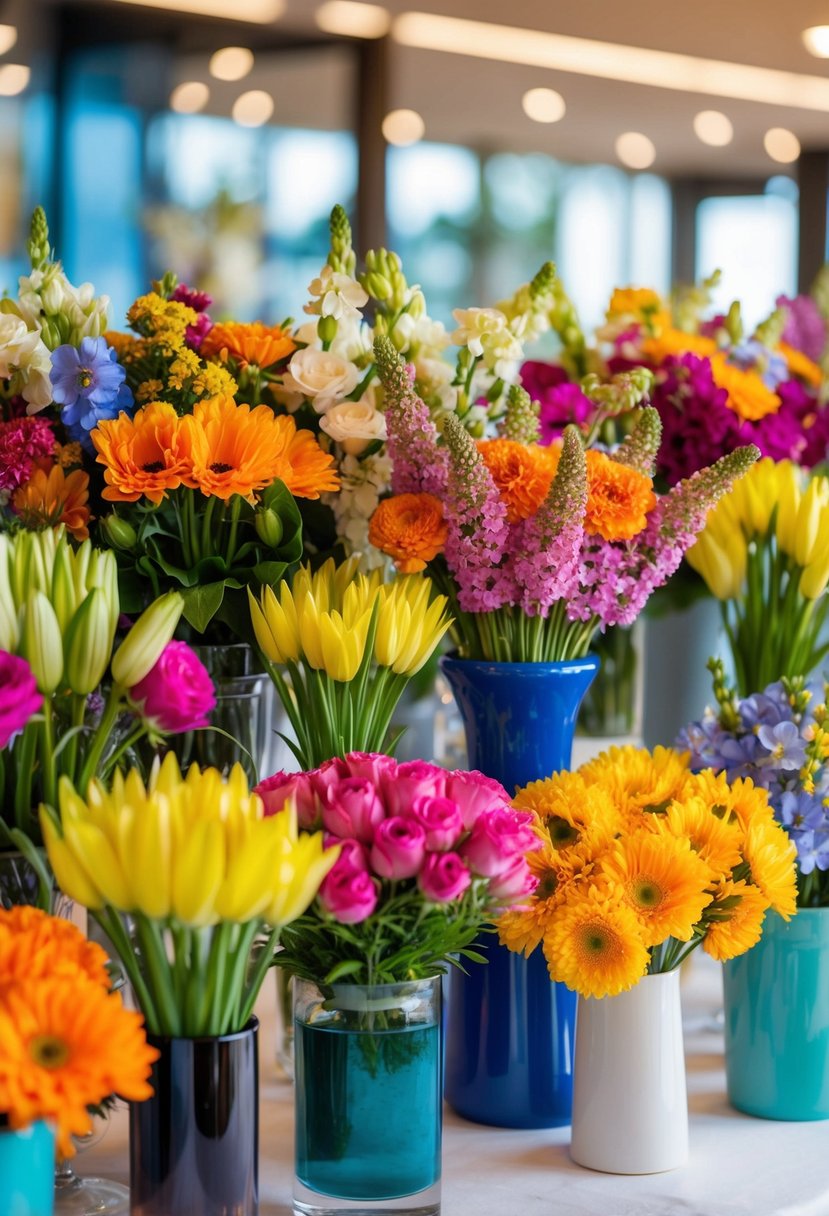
[
  {"x": 349, "y": 895},
  {"x": 514, "y": 883},
  {"x": 440, "y": 819},
  {"x": 372, "y": 766},
  {"x": 352, "y": 808},
  {"x": 19, "y": 698},
  {"x": 497, "y": 837},
  {"x": 474, "y": 793},
  {"x": 444, "y": 877},
  {"x": 177, "y": 694},
  {"x": 276, "y": 790},
  {"x": 326, "y": 775},
  {"x": 399, "y": 848},
  {"x": 353, "y": 855},
  {"x": 414, "y": 779}
]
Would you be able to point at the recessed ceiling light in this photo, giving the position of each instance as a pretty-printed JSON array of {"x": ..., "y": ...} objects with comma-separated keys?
[
  {"x": 713, "y": 128},
  {"x": 253, "y": 109},
  {"x": 635, "y": 150},
  {"x": 8, "y": 37},
  {"x": 231, "y": 63},
  {"x": 13, "y": 79},
  {"x": 781, "y": 145},
  {"x": 611, "y": 61},
  {"x": 543, "y": 105},
  {"x": 189, "y": 97},
  {"x": 403, "y": 127},
  {"x": 816, "y": 41},
  {"x": 260, "y": 11},
  {"x": 352, "y": 19}
]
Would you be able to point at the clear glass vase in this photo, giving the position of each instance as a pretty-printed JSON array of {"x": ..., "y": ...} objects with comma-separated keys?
[
  {"x": 611, "y": 706},
  {"x": 368, "y": 1098}
]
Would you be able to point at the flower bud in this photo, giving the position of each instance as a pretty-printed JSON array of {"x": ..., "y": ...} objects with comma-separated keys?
[
  {"x": 41, "y": 643},
  {"x": 119, "y": 533},
  {"x": 269, "y": 527},
  {"x": 88, "y": 644},
  {"x": 9, "y": 631},
  {"x": 327, "y": 329},
  {"x": 142, "y": 647},
  {"x": 378, "y": 286},
  {"x": 64, "y": 598}
]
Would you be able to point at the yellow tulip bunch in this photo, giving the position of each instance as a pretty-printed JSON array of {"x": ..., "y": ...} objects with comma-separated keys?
[
  {"x": 195, "y": 870},
  {"x": 764, "y": 554},
  {"x": 350, "y": 643}
]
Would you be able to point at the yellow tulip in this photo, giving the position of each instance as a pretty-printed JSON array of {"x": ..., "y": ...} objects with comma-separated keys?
[
  {"x": 300, "y": 882},
  {"x": 815, "y": 576},
  {"x": 343, "y": 644},
  {"x": 812, "y": 520},
  {"x": 308, "y": 619},
  {"x": 408, "y": 626},
  {"x": 788, "y": 503},
  {"x": 723, "y": 568},
  {"x": 275, "y": 624},
  {"x": 70, "y": 876},
  {"x": 197, "y": 873}
]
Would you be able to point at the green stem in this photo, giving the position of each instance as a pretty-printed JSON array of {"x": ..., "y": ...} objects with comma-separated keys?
[
  {"x": 257, "y": 977},
  {"x": 159, "y": 974}
]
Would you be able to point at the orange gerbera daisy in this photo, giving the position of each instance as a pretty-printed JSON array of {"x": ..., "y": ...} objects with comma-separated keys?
[
  {"x": 618, "y": 498},
  {"x": 34, "y": 945},
  {"x": 736, "y": 920},
  {"x": 594, "y": 944},
  {"x": 251, "y": 344},
  {"x": 410, "y": 528},
  {"x": 748, "y": 396},
  {"x": 49, "y": 499},
  {"x": 66, "y": 1044},
  {"x": 801, "y": 365},
  {"x": 144, "y": 456},
  {"x": 677, "y": 342},
  {"x": 663, "y": 881},
  {"x": 522, "y": 472},
  {"x": 237, "y": 450}
]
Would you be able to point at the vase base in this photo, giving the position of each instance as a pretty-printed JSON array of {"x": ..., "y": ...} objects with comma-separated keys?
[
  {"x": 91, "y": 1197},
  {"x": 312, "y": 1203},
  {"x": 629, "y": 1169}
]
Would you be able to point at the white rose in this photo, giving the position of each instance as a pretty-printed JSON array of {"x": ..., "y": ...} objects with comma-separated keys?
[
  {"x": 354, "y": 424},
  {"x": 322, "y": 376}
]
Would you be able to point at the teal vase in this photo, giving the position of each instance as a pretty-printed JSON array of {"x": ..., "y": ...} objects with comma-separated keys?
[
  {"x": 777, "y": 1020},
  {"x": 27, "y": 1170}
]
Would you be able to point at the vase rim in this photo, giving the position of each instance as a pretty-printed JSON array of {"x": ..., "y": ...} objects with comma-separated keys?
[
  {"x": 588, "y": 662},
  {"x": 250, "y": 1029}
]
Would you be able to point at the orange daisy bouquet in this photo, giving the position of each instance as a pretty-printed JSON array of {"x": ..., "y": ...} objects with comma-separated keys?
[
  {"x": 535, "y": 547},
  {"x": 66, "y": 1041},
  {"x": 641, "y": 862}
]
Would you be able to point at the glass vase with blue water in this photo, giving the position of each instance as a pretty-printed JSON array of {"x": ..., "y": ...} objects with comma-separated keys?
[
  {"x": 510, "y": 1029},
  {"x": 27, "y": 1170},
  {"x": 368, "y": 1098}
]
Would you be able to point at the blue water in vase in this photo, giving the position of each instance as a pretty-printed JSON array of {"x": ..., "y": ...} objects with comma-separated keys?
[{"x": 368, "y": 1122}]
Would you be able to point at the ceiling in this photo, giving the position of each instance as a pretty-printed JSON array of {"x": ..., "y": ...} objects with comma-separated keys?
[{"x": 478, "y": 102}]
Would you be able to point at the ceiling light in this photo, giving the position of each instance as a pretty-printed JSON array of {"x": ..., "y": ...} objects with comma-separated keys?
[
  {"x": 13, "y": 79},
  {"x": 781, "y": 145},
  {"x": 189, "y": 97},
  {"x": 403, "y": 127},
  {"x": 231, "y": 63},
  {"x": 816, "y": 41},
  {"x": 8, "y": 37},
  {"x": 252, "y": 109},
  {"x": 612, "y": 61},
  {"x": 713, "y": 128},
  {"x": 353, "y": 20},
  {"x": 635, "y": 150},
  {"x": 543, "y": 105},
  {"x": 260, "y": 11}
]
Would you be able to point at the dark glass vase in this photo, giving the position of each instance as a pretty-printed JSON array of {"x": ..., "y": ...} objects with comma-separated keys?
[
  {"x": 194, "y": 1145},
  {"x": 510, "y": 1030}
]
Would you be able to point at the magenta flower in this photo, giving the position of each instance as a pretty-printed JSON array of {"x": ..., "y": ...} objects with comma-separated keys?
[
  {"x": 177, "y": 694},
  {"x": 23, "y": 442},
  {"x": 413, "y": 779},
  {"x": 19, "y": 698},
  {"x": 440, "y": 819},
  {"x": 561, "y": 401},
  {"x": 399, "y": 848},
  {"x": 514, "y": 884},
  {"x": 444, "y": 878},
  {"x": 474, "y": 793},
  {"x": 352, "y": 808},
  {"x": 275, "y": 791},
  {"x": 349, "y": 895},
  {"x": 496, "y": 839}
]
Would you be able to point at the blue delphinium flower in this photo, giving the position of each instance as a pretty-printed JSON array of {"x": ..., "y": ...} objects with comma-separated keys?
[
  {"x": 786, "y": 747},
  {"x": 88, "y": 383},
  {"x": 812, "y": 850},
  {"x": 760, "y": 709}
]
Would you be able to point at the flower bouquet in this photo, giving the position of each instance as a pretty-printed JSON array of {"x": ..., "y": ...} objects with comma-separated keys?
[{"x": 426, "y": 856}]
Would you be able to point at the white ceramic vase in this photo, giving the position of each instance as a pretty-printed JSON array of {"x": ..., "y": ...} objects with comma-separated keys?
[{"x": 630, "y": 1106}]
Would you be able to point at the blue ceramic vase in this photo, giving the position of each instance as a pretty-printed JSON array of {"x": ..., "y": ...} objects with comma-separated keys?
[
  {"x": 777, "y": 1020},
  {"x": 27, "y": 1170},
  {"x": 510, "y": 1030}
]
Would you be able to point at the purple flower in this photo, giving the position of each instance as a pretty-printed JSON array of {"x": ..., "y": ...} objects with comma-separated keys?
[
  {"x": 812, "y": 850},
  {"x": 765, "y": 708},
  {"x": 199, "y": 301},
  {"x": 88, "y": 383},
  {"x": 752, "y": 355},
  {"x": 787, "y": 749},
  {"x": 799, "y": 810},
  {"x": 697, "y": 425},
  {"x": 561, "y": 401},
  {"x": 805, "y": 328}
]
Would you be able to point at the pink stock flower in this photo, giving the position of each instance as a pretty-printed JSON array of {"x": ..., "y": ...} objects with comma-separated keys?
[
  {"x": 414, "y": 779},
  {"x": 352, "y": 808},
  {"x": 349, "y": 895},
  {"x": 419, "y": 464},
  {"x": 497, "y": 838},
  {"x": 440, "y": 819},
  {"x": 399, "y": 848},
  {"x": 19, "y": 698},
  {"x": 373, "y": 766},
  {"x": 177, "y": 694},
  {"x": 475, "y": 793},
  {"x": 276, "y": 790},
  {"x": 514, "y": 884},
  {"x": 444, "y": 877}
]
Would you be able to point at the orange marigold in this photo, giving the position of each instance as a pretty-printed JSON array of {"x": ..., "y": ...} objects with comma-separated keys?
[
  {"x": 801, "y": 365},
  {"x": 618, "y": 498},
  {"x": 34, "y": 945},
  {"x": 144, "y": 456},
  {"x": 237, "y": 450},
  {"x": 410, "y": 528},
  {"x": 49, "y": 499},
  {"x": 677, "y": 342},
  {"x": 522, "y": 473},
  {"x": 748, "y": 396},
  {"x": 254, "y": 343}
]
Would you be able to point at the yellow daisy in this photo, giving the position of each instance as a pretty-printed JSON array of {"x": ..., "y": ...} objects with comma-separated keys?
[
  {"x": 594, "y": 945},
  {"x": 714, "y": 838},
  {"x": 729, "y": 935},
  {"x": 663, "y": 881},
  {"x": 638, "y": 780},
  {"x": 770, "y": 854},
  {"x": 573, "y": 811}
]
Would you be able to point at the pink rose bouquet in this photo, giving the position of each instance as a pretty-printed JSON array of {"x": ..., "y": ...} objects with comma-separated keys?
[{"x": 426, "y": 858}]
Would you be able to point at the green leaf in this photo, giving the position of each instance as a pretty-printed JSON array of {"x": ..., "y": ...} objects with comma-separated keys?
[
  {"x": 202, "y": 603},
  {"x": 269, "y": 573},
  {"x": 347, "y": 967}
]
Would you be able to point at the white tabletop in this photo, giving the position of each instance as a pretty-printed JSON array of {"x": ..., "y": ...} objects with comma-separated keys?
[{"x": 739, "y": 1166}]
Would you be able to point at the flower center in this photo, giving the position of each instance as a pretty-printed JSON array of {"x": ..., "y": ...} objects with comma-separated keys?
[
  {"x": 646, "y": 893},
  {"x": 48, "y": 1051},
  {"x": 562, "y": 832},
  {"x": 84, "y": 377},
  {"x": 155, "y": 466},
  {"x": 218, "y": 467}
]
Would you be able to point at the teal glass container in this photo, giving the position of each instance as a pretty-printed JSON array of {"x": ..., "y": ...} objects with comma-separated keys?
[
  {"x": 27, "y": 1170},
  {"x": 777, "y": 1020}
]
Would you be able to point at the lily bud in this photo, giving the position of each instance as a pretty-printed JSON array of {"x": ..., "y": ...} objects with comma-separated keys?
[
  {"x": 327, "y": 329},
  {"x": 119, "y": 533},
  {"x": 64, "y": 597},
  {"x": 9, "y": 631},
  {"x": 140, "y": 649},
  {"x": 269, "y": 527},
  {"x": 41, "y": 643},
  {"x": 89, "y": 643}
]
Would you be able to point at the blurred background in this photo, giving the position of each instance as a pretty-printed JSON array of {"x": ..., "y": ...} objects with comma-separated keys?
[{"x": 631, "y": 143}]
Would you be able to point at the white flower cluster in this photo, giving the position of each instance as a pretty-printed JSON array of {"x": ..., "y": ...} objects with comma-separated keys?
[
  {"x": 362, "y": 484},
  {"x": 489, "y": 336}
]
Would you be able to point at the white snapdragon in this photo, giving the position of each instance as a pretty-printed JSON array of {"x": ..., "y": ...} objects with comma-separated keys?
[
  {"x": 66, "y": 313},
  {"x": 335, "y": 294},
  {"x": 354, "y": 424},
  {"x": 362, "y": 483},
  {"x": 486, "y": 333},
  {"x": 322, "y": 376}
]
